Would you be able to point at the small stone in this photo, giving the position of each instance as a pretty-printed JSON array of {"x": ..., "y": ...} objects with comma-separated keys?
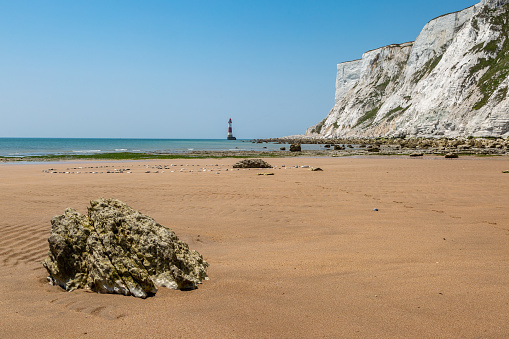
[{"x": 375, "y": 209}]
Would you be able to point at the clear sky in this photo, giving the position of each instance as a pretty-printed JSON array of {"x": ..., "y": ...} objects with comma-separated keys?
[{"x": 181, "y": 69}]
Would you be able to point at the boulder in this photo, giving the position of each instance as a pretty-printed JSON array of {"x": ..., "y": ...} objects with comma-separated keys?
[
  {"x": 116, "y": 249},
  {"x": 295, "y": 148},
  {"x": 252, "y": 163}
]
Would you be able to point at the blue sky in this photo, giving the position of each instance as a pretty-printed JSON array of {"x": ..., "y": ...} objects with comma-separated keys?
[{"x": 181, "y": 69}]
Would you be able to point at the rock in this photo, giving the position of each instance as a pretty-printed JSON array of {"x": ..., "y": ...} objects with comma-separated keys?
[
  {"x": 417, "y": 154},
  {"x": 375, "y": 209},
  {"x": 252, "y": 163},
  {"x": 116, "y": 249},
  {"x": 505, "y": 171},
  {"x": 451, "y": 156},
  {"x": 282, "y": 148},
  {"x": 317, "y": 169},
  {"x": 265, "y": 173},
  {"x": 295, "y": 148}
]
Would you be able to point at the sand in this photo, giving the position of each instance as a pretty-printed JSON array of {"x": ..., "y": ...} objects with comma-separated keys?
[{"x": 297, "y": 254}]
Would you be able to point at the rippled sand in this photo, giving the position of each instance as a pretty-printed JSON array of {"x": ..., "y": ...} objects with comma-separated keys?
[{"x": 296, "y": 254}]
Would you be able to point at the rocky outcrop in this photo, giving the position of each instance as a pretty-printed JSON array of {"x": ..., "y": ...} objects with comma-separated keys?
[
  {"x": 252, "y": 163},
  {"x": 116, "y": 249},
  {"x": 452, "y": 81},
  {"x": 295, "y": 147}
]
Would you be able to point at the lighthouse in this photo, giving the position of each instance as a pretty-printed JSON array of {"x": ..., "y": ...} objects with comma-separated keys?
[{"x": 230, "y": 134}]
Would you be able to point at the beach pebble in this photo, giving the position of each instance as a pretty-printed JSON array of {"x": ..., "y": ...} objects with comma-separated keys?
[{"x": 375, "y": 209}]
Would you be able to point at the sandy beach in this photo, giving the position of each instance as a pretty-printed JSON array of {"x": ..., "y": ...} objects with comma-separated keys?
[{"x": 299, "y": 254}]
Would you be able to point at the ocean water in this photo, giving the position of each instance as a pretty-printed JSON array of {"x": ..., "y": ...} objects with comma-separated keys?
[{"x": 21, "y": 147}]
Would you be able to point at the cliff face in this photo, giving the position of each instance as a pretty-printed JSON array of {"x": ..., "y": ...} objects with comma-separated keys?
[{"x": 451, "y": 81}]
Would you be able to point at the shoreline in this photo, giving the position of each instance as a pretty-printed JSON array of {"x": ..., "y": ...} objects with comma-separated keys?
[
  {"x": 331, "y": 148},
  {"x": 249, "y": 155}
]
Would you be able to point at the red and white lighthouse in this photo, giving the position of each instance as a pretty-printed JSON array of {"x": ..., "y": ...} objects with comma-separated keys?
[{"x": 230, "y": 131}]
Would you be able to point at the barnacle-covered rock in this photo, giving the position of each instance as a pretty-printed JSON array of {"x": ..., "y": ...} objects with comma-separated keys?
[
  {"x": 252, "y": 163},
  {"x": 116, "y": 249}
]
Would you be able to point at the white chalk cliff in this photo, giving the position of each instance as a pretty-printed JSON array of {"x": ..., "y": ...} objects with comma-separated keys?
[{"x": 451, "y": 81}]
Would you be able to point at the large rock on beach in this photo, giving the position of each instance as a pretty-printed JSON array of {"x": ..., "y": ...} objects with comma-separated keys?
[
  {"x": 116, "y": 249},
  {"x": 252, "y": 163},
  {"x": 295, "y": 148}
]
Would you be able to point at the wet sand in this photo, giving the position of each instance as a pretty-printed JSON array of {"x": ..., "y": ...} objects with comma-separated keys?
[{"x": 297, "y": 254}]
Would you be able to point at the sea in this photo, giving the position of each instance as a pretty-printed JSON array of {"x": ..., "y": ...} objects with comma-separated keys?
[{"x": 23, "y": 147}]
